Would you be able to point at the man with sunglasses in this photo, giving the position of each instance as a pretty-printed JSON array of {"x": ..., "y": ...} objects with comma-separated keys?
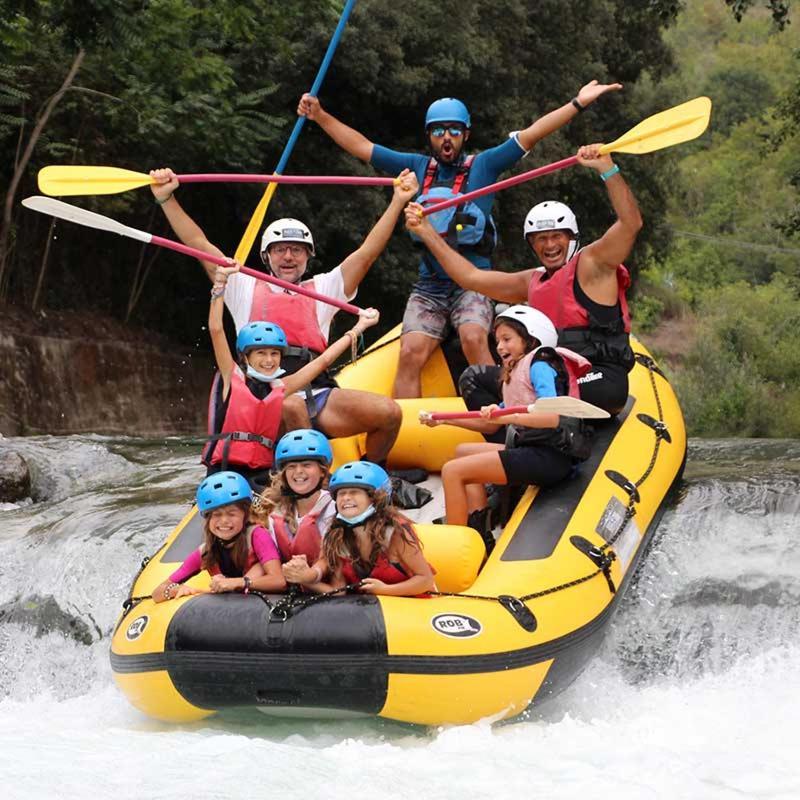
[
  {"x": 437, "y": 302},
  {"x": 286, "y": 248}
]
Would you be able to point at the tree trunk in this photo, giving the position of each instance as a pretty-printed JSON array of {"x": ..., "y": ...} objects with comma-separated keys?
[
  {"x": 8, "y": 206},
  {"x": 43, "y": 266}
]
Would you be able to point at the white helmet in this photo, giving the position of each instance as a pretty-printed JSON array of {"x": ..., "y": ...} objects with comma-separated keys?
[
  {"x": 552, "y": 216},
  {"x": 537, "y": 324},
  {"x": 286, "y": 230}
]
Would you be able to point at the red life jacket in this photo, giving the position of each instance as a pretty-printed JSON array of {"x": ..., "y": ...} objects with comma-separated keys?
[
  {"x": 295, "y": 313},
  {"x": 569, "y": 367},
  {"x": 307, "y": 540},
  {"x": 250, "y": 428},
  {"x": 555, "y": 296},
  {"x": 252, "y": 558},
  {"x": 600, "y": 342},
  {"x": 383, "y": 570}
]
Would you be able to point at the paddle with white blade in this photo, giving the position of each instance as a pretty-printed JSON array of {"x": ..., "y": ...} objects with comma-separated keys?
[
  {"x": 90, "y": 219},
  {"x": 563, "y": 406}
]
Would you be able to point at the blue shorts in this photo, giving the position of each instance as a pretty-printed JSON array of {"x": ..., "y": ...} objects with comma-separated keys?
[{"x": 320, "y": 399}]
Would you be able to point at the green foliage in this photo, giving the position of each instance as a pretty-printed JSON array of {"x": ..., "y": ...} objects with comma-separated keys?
[
  {"x": 742, "y": 376},
  {"x": 214, "y": 87}
]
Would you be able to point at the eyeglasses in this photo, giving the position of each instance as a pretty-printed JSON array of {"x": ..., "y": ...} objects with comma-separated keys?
[
  {"x": 438, "y": 130},
  {"x": 294, "y": 249}
]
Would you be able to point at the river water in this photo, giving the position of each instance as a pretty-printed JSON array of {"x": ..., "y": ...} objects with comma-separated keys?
[{"x": 695, "y": 694}]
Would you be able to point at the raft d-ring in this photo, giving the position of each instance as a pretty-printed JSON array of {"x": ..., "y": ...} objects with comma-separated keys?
[
  {"x": 279, "y": 614},
  {"x": 521, "y": 613}
]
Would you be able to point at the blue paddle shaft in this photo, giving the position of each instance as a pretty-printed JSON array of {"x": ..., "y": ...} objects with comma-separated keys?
[{"x": 315, "y": 87}]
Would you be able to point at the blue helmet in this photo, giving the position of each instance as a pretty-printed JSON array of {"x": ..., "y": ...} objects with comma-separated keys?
[
  {"x": 447, "y": 109},
  {"x": 303, "y": 445},
  {"x": 222, "y": 489},
  {"x": 260, "y": 334},
  {"x": 363, "y": 475}
]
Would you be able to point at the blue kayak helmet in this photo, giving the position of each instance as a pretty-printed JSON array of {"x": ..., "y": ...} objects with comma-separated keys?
[
  {"x": 303, "y": 445},
  {"x": 222, "y": 489},
  {"x": 361, "y": 475},
  {"x": 447, "y": 109},
  {"x": 260, "y": 334}
]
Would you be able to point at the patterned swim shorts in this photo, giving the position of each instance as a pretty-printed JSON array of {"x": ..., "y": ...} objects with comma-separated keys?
[{"x": 432, "y": 313}]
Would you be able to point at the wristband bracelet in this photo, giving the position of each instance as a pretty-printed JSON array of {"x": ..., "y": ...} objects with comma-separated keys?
[
  {"x": 609, "y": 173},
  {"x": 577, "y": 105},
  {"x": 247, "y": 584},
  {"x": 161, "y": 202},
  {"x": 217, "y": 292}
]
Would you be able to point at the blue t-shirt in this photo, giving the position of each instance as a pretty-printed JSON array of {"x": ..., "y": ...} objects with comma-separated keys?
[
  {"x": 543, "y": 379},
  {"x": 485, "y": 169}
]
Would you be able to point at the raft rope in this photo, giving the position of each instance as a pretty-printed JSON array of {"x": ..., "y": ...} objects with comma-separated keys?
[{"x": 602, "y": 555}]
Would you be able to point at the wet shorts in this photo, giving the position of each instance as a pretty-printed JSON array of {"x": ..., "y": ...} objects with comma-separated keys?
[{"x": 431, "y": 313}]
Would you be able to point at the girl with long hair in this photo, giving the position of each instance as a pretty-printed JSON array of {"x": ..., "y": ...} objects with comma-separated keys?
[
  {"x": 239, "y": 556},
  {"x": 540, "y": 448},
  {"x": 370, "y": 543}
]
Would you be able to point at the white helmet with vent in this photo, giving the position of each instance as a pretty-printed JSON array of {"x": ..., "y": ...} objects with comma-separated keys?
[
  {"x": 537, "y": 324},
  {"x": 286, "y": 230},
  {"x": 553, "y": 216}
]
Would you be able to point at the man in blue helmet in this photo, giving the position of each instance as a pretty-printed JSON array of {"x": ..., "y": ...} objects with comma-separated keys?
[{"x": 436, "y": 302}]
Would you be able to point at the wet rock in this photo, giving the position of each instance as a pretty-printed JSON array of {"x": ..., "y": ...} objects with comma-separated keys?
[{"x": 15, "y": 477}]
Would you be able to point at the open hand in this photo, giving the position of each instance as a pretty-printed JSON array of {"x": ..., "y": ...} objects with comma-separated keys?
[
  {"x": 185, "y": 591},
  {"x": 589, "y": 93}
]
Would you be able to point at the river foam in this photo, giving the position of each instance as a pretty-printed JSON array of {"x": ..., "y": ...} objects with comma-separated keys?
[{"x": 694, "y": 694}]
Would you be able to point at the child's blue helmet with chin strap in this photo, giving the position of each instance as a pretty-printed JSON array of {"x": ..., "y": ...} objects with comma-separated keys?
[{"x": 361, "y": 475}]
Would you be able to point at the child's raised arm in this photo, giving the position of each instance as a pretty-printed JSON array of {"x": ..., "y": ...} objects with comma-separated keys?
[
  {"x": 222, "y": 352},
  {"x": 297, "y": 380}
]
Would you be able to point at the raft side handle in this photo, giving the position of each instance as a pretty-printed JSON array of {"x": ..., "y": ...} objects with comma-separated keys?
[
  {"x": 626, "y": 485},
  {"x": 521, "y": 613},
  {"x": 662, "y": 432}
]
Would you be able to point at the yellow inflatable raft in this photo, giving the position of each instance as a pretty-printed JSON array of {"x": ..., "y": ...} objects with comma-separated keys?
[{"x": 497, "y": 638}]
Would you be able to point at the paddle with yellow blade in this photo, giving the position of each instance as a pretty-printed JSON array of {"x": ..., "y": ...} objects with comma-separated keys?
[
  {"x": 70, "y": 180},
  {"x": 56, "y": 208},
  {"x": 673, "y": 126}
]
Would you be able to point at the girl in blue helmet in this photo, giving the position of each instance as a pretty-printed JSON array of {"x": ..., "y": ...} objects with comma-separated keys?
[
  {"x": 296, "y": 507},
  {"x": 370, "y": 542},
  {"x": 255, "y": 397},
  {"x": 238, "y": 556}
]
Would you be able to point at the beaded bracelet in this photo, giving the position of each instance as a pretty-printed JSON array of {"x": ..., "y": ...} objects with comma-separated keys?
[{"x": 168, "y": 590}]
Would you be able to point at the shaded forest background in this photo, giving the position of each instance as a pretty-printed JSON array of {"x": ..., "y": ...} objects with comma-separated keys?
[{"x": 213, "y": 87}]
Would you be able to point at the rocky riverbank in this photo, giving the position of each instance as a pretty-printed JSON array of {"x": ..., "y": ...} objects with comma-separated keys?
[{"x": 68, "y": 373}]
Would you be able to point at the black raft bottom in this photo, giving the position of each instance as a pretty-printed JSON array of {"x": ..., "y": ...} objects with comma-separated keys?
[{"x": 224, "y": 651}]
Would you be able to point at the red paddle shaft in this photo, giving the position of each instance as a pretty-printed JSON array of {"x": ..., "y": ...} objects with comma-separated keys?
[{"x": 261, "y": 276}]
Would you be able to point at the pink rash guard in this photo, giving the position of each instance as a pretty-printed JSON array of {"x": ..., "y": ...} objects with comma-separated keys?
[{"x": 263, "y": 547}]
